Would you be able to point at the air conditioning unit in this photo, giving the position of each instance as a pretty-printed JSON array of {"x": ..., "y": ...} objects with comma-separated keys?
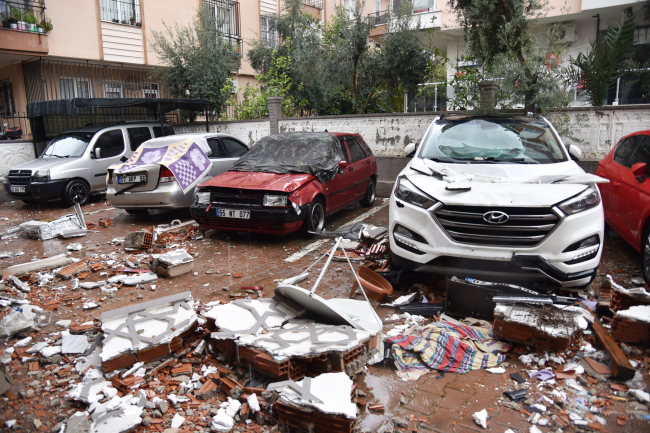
[{"x": 569, "y": 30}]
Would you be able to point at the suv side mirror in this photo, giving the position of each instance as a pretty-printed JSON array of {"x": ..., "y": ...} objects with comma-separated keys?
[
  {"x": 409, "y": 150},
  {"x": 575, "y": 152},
  {"x": 98, "y": 153},
  {"x": 639, "y": 171},
  {"x": 343, "y": 165}
]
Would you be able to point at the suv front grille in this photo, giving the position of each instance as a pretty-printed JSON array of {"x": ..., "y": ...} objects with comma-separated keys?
[
  {"x": 19, "y": 177},
  {"x": 525, "y": 227},
  {"x": 237, "y": 197}
]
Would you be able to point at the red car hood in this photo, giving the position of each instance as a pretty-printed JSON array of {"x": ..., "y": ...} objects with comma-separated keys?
[{"x": 257, "y": 180}]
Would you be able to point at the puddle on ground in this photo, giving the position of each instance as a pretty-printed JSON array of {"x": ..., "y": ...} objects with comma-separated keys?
[{"x": 52, "y": 247}]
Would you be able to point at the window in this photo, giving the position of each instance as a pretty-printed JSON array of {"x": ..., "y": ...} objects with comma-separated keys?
[
  {"x": 269, "y": 33},
  {"x": 7, "y": 107},
  {"x": 216, "y": 151},
  {"x": 364, "y": 146},
  {"x": 356, "y": 152},
  {"x": 423, "y": 6},
  {"x": 110, "y": 143},
  {"x": 234, "y": 147},
  {"x": 377, "y": 7},
  {"x": 624, "y": 151},
  {"x": 150, "y": 90},
  {"x": 74, "y": 88},
  {"x": 120, "y": 11},
  {"x": 641, "y": 36},
  {"x": 642, "y": 152},
  {"x": 112, "y": 90},
  {"x": 351, "y": 6},
  {"x": 168, "y": 131},
  {"x": 137, "y": 136},
  {"x": 344, "y": 151}
]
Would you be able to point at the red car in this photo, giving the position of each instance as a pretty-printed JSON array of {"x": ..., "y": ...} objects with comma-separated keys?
[
  {"x": 626, "y": 198},
  {"x": 289, "y": 182}
]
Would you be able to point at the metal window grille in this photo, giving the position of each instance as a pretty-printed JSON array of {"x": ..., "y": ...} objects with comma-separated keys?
[
  {"x": 228, "y": 20},
  {"x": 641, "y": 36},
  {"x": 318, "y": 4},
  {"x": 377, "y": 18},
  {"x": 9, "y": 9},
  {"x": 269, "y": 33},
  {"x": 7, "y": 106},
  {"x": 120, "y": 11}
]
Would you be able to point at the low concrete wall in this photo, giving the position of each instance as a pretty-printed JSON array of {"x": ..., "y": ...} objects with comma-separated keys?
[{"x": 249, "y": 131}]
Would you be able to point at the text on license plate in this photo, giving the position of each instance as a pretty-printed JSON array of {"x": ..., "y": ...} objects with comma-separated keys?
[
  {"x": 234, "y": 213},
  {"x": 17, "y": 188},
  {"x": 132, "y": 179}
]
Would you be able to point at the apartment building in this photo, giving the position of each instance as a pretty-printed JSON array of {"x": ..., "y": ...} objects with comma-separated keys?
[{"x": 101, "y": 48}]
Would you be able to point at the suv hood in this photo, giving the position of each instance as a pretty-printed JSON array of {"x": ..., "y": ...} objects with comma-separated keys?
[
  {"x": 43, "y": 164},
  {"x": 260, "y": 181},
  {"x": 526, "y": 185}
]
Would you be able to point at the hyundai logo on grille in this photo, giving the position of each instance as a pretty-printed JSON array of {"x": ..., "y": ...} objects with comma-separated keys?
[{"x": 496, "y": 217}]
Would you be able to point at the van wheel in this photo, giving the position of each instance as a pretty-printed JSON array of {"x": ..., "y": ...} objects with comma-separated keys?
[
  {"x": 137, "y": 211},
  {"x": 369, "y": 199},
  {"x": 76, "y": 192},
  {"x": 315, "y": 220}
]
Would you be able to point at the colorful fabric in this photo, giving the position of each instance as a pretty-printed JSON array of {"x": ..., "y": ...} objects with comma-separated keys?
[
  {"x": 448, "y": 347},
  {"x": 185, "y": 159}
]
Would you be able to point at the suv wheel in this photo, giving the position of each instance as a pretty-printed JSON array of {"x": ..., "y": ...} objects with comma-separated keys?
[
  {"x": 76, "y": 192},
  {"x": 315, "y": 220},
  {"x": 369, "y": 199}
]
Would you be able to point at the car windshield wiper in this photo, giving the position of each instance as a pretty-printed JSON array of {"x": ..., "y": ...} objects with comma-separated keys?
[
  {"x": 59, "y": 156},
  {"x": 517, "y": 160},
  {"x": 443, "y": 159}
]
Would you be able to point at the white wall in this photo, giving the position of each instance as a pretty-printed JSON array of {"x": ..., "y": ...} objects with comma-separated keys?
[{"x": 13, "y": 154}]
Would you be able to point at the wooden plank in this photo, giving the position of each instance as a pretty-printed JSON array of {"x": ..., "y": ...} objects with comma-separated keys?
[{"x": 621, "y": 367}]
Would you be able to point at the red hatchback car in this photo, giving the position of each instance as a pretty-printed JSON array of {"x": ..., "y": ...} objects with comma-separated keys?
[
  {"x": 289, "y": 182},
  {"x": 626, "y": 198}
]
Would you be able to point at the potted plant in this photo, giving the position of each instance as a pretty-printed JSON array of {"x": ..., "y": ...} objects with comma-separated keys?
[
  {"x": 138, "y": 24},
  {"x": 123, "y": 21},
  {"x": 45, "y": 25},
  {"x": 13, "y": 23},
  {"x": 6, "y": 23},
  {"x": 31, "y": 22},
  {"x": 18, "y": 16},
  {"x": 132, "y": 21},
  {"x": 116, "y": 21}
]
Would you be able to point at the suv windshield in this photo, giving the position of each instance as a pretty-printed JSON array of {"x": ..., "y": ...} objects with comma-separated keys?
[
  {"x": 68, "y": 145},
  {"x": 492, "y": 140}
]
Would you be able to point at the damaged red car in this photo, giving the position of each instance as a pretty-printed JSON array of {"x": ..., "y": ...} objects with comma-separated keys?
[{"x": 289, "y": 182}]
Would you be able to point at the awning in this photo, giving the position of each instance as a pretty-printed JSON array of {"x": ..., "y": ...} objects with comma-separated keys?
[{"x": 69, "y": 106}]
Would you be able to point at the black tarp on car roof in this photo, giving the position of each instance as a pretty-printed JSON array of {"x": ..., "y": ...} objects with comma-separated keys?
[
  {"x": 69, "y": 106},
  {"x": 294, "y": 152}
]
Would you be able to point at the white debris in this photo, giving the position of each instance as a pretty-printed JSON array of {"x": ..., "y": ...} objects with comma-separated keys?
[
  {"x": 19, "y": 284},
  {"x": 496, "y": 370},
  {"x": 641, "y": 395},
  {"x": 480, "y": 418},
  {"x": 638, "y": 312},
  {"x": 177, "y": 399},
  {"x": 89, "y": 305},
  {"x": 50, "y": 351},
  {"x": 24, "y": 342},
  {"x": 534, "y": 429},
  {"x": 253, "y": 403},
  {"x": 75, "y": 247},
  {"x": 109, "y": 392},
  {"x": 177, "y": 421},
  {"x": 63, "y": 323},
  {"x": 19, "y": 319},
  {"x": 37, "y": 347}
]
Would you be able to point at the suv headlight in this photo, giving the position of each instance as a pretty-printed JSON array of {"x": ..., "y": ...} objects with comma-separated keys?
[
  {"x": 275, "y": 200},
  {"x": 202, "y": 197},
  {"x": 408, "y": 192},
  {"x": 41, "y": 175},
  {"x": 587, "y": 200}
]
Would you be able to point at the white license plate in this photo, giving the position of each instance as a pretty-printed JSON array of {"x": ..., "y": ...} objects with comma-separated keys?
[
  {"x": 233, "y": 213},
  {"x": 17, "y": 188},
  {"x": 140, "y": 178}
]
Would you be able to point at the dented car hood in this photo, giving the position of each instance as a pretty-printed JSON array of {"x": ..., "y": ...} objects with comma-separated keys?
[
  {"x": 526, "y": 185},
  {"x": 257, "y": 180}
]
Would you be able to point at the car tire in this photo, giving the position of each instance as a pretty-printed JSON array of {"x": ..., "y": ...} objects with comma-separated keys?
[
  {"x": 76, "y": 192},
  {"x": 369, "y": 198},
  {"x": 315, "y": 220},
  {"x": 137, "y": 211},
  {"x": 645, "y": 251}
]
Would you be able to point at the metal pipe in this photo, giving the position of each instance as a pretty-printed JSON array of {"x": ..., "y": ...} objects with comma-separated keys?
[{"x": 327, "y": 263}]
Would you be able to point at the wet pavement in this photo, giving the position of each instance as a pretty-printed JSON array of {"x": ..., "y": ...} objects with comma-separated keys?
[{"x": 227, "y": 261}]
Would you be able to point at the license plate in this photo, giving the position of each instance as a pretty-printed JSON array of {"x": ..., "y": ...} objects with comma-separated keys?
[
  {"x": 17, "y": 188},
  {"x": 139, "y": 178},
  {"x": 234, "y": 213}
]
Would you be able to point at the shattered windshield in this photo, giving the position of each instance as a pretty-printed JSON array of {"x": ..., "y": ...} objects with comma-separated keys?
[
  {"x": 297, "y": 152},
  {"x": 491, "y": 139},
  {"x": 67, "y": 145}
]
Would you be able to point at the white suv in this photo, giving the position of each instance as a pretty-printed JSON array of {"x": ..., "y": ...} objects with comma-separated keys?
[{"x": 497, "y": 198}]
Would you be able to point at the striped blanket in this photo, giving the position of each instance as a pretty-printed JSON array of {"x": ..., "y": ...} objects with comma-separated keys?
[{"x": 446, "y": 346}]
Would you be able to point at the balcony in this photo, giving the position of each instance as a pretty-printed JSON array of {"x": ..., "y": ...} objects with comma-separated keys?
[
  {"x": 377, "y": 18},
  {"x": 426, "y": 16},
  {"x": 23, "y": 28},
  {"x": 226, "y": 13}
]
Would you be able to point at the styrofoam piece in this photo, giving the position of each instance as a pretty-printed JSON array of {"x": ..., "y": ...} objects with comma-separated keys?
[
  {"x": 496, "y": 370},
  {"x": 233, "y": 407},
  {"x": 638, "y": 312},
  {"x": 73, "y": 343},
  {"x": 140, "y": 279},
  {"x": 37, "y": 265},
  {"x": 333, "y": 389},
  {"x": 176, "y": 257},
  {"x": 222, "y": 422},
  {"x": 253, "y": 403}
]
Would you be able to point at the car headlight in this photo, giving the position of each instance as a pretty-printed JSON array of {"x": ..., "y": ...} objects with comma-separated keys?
[
  {"x": 202, "y": 198},
  {"x": 408, "y": 192},
  {"x": 41, "y": 175},
  {"x": 587, "y": 200},
  {"x": 275, "y": 200}
]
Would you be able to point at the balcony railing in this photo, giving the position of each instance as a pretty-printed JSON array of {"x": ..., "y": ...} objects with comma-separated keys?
[
  {"x": 21, "y": 11},
  {"x": 377, "y": 18},
  {"x": 318, "y": 4},
  {"x": 121, "y": 11}
]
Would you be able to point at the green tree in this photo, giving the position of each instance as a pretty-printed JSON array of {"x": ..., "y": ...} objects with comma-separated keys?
[
  {"x": 198, "y": 60},
  {"x": 601, "y": 66}
]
